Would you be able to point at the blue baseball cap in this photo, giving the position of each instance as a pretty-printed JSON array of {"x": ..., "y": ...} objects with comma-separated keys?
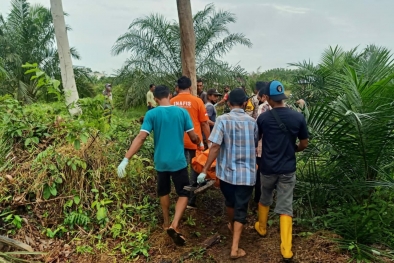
[{"x": 275, "y": 90}]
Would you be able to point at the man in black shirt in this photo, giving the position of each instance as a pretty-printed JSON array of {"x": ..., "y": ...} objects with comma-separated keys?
[{"x": 280, "y": 128}]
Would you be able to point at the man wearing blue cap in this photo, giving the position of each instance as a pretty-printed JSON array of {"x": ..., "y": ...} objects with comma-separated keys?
[
  {"x": 234, "y": 138},
  {"x": 280, "y": 128}
]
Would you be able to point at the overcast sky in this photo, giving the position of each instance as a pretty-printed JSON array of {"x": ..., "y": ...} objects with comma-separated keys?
[{"x": 282, "y": 31}]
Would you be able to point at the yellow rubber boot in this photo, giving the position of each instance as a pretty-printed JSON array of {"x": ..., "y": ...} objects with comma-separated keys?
[
  {"x": 261, "y": 225},
  {"x": 286, "y": 231}
]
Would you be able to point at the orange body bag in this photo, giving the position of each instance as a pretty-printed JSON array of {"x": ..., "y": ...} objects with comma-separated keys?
[{"x": 198, "y": 163}]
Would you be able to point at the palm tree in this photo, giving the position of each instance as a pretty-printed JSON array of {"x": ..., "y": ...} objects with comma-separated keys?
[
  {"x": 312, "y": 81},
  {"x": 188, "y": 42},
  {"x": 345, "y": 177},
  {"x": 351, "y": 122},
  {"x": 3, "y": 72},
  {"x": 27, "y": 36},
  {"x": 24, "y": 24},
  {"x": 155, "y": 49},
  {"x": 66, "y": 66}
]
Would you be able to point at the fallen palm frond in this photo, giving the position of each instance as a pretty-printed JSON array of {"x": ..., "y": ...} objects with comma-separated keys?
[{"x": 10, "y": 257}]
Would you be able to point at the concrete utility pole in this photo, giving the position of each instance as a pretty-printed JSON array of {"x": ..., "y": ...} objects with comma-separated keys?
[
  {"x": 188, "y": 42},
  {"x": 66, "y": 66}
]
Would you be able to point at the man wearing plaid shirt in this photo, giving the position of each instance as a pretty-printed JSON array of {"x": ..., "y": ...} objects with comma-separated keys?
[{"x": 234, "y": 139}]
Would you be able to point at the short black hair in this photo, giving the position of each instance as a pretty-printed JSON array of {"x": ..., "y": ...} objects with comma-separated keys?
[
  {"x": 151, "y": 86},
  {"x": 260, "y": 85},
  {"x": 263, "y": 90},
  {"x": 161, "y": 92},
  {"x": 199, "y": 80},
  {"x": 184, "y": 83}
]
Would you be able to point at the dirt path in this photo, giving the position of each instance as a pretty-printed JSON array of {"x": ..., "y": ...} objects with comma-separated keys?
[
  {"x": 197, "y": 226},
  {"x": 210, "y": 219}
]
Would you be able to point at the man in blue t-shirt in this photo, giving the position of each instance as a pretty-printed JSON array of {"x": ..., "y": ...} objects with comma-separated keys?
[
  {"x": 167, "y": 121},
  {"x": 280, "y": 127}
]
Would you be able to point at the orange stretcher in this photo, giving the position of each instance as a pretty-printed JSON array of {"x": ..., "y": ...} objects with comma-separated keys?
[{"x": 198, "y": 163}]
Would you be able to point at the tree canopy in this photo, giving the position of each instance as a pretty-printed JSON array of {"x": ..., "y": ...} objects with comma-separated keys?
[{"x": 154, "y": 46}]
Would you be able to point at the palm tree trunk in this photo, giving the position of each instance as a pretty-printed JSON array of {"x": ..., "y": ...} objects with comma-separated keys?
[
  {"x": 188, "y": 42},
  {"x": 66, "y": 66}
]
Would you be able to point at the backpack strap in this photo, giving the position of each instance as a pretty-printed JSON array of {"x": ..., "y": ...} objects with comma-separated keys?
[{"x": 282, "y": 126}]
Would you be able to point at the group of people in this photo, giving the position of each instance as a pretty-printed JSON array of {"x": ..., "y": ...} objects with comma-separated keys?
[{"x": 253, "y": 150}]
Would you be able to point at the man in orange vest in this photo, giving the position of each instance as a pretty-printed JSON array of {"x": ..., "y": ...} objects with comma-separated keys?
[{"x": 196, "y": 108}]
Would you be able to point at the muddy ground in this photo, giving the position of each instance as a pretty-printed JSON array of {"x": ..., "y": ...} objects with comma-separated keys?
[{"x": 211, "y": 219}]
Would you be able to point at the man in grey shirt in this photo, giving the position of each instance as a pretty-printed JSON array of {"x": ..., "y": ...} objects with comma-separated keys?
[
  {"x": 200, "y": 91},
  {"x": 213, "y": 96}
]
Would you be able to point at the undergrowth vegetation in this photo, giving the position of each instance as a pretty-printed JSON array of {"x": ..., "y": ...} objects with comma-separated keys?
[{"x": 60, "y": 173}]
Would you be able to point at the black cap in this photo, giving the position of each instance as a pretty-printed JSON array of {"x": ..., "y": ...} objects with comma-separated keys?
[
  {"x": 213, "y": 92},
  {"x": 237, "y": 95}
]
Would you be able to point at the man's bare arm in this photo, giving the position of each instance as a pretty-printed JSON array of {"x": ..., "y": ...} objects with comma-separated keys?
[
  {"x": 194, "y": 137},
  {"x": 205, "y": 129},
  {"x": 136, "y": 144},
  {"x": 220, "y": 102},
  {"x": 213, "y": 154},
  {"x": 302, "y": 145},
  {"x": 211, "y": 123}
]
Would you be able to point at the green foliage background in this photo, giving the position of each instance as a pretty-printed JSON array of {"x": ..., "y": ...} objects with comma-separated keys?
[{"x": 345, "y": 177}]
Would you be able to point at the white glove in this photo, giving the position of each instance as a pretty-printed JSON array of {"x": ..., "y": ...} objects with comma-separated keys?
[
  {"x": 201, "y": 178},
  {"x": 201, "y": 145},
  {"x": 122, "y": 168}
]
